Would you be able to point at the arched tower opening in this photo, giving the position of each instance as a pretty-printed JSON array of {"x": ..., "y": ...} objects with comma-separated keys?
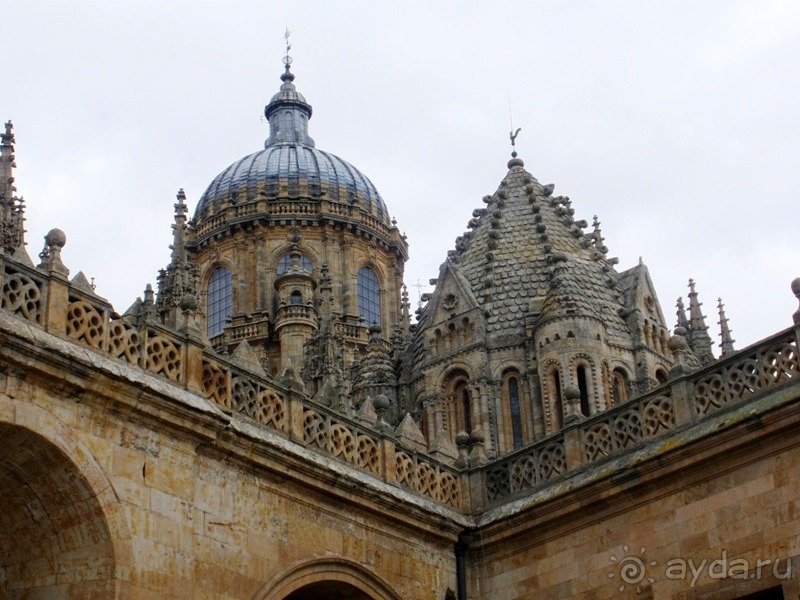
[
  {"x": 554, "y": 398},
  {"x": 583, "y": 387},
  {"x": 513, "y": 417},
  {"x": 619, "y": 386},
  {"x": 459, "y": 403},
  {"x": 515, "y": 412}
]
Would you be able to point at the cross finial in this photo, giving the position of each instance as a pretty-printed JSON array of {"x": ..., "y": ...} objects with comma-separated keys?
[
  {"x": 287, "y": 59},
  {"x": 419, "y": 287}
]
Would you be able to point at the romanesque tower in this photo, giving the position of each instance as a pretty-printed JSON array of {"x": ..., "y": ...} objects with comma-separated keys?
[{"x": 530, "y": 325}]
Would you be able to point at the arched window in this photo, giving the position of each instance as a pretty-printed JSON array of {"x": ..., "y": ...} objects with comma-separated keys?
[
  {"x": 462, "y": 397},
  {"x": 619, "y": 387},
  {"x": 555, "y": 397},
  {"x": 552, "y": 380},
  {"x": 512, "y": 388},
  {"x": 296, "y": 297},
  {"x": 285, "y": 260},
  {"x": 583, "y": 387},
  {"x": 661, "y": 376},
  {"x": 220, "y": 300},
  {"x": 369, "y": 296}
]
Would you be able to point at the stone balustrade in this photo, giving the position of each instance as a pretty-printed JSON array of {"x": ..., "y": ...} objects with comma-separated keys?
[
  {"x": 68, "y": 309},
  {"x": 684, "y": 401},
  {"x": 71, "y": 310},
  {"x": 295, "y": 312},
  {"x": 296, "y": 206},
  {"x": 350, "y": 331}
]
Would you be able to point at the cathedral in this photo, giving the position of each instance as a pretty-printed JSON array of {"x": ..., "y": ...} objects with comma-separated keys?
[{"x": 272, "y": 422}]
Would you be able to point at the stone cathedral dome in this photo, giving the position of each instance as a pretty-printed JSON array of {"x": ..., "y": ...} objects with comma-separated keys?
[
  {"x": 291, "y": 245},
  {"x": 290, "y": 166}
]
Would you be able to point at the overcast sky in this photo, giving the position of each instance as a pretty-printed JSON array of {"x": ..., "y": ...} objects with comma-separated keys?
[{"x": 676, "y": 122}]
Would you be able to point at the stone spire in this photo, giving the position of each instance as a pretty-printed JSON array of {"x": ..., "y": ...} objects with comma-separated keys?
[
  {"x": 177, "y": 284},
  {"x": 323, "y": 366},
  {"x": 725, "y": 332},
  {"x": 12, "y": 233},
  {"x": 699, "y": 340},
  {"x": 375, "y": 375},
  {"x": 288, "y": 112},
  {"x": 597, "y": 236},
  {"x": 405, "y": 306},
  {"x": 681, "y": 313}
]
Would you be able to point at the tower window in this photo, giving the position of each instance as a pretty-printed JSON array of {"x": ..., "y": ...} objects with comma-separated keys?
[
  {"x": 619, "y": 387},
  {"x": 583, "y": 386},
  {"x": 462, "y": 396},
  {"x": 220, "y": 300},
  {"x": 555, "y": 395},
  {"x": 369, "y": 296},
  {"x": 285, "y": 260},
  {"x": 296, "y": 298},
  {"x": 516, "y": 416}
]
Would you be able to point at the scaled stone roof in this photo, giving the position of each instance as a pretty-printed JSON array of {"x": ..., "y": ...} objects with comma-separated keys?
[{"x": 527, "y": 253}]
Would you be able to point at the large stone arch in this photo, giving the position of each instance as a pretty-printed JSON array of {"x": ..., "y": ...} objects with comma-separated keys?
[
  {"x": 62, "y": 531},
  {"x": 326, "y": 578}
]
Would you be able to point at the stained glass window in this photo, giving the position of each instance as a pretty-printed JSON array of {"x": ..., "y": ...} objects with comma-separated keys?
[
  {"x": 369, "y": 296},
  {"x": 220, "y": 300}
]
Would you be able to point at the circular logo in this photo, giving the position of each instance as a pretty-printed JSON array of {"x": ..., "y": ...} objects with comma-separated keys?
[{"x": 632, "y": 570}]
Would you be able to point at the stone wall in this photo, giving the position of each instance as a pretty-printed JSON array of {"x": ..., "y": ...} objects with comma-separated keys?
[
  {"x": 116, "y": 483},
  {"x": 733, "y": 498}
]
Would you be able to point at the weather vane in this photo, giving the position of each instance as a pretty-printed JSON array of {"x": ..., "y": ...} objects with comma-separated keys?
[
  {"x": 512, "y": 134},
  {"x": 287, "y": 60}
]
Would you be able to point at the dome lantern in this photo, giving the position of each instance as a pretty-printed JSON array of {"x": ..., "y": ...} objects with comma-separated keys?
[{"x": 288, "y": 113}]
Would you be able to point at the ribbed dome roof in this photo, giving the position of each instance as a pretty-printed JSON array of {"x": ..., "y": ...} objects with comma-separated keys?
[
  {"x": 302, "y": 170},
  {"x": 290, "y": 167}
]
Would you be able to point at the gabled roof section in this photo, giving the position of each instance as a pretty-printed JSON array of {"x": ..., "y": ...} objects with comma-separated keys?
[
  {"x": 640, "y": 293},
  {"x": 452, "y": 295}
]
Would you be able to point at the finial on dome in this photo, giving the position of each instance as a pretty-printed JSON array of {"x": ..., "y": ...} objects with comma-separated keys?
[
  {"x": 287, "y": 111},
  {"x": 287, "y": 75}
]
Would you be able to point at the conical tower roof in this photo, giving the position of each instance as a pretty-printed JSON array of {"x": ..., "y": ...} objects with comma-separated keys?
[{"x": 526, "y": 252}]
